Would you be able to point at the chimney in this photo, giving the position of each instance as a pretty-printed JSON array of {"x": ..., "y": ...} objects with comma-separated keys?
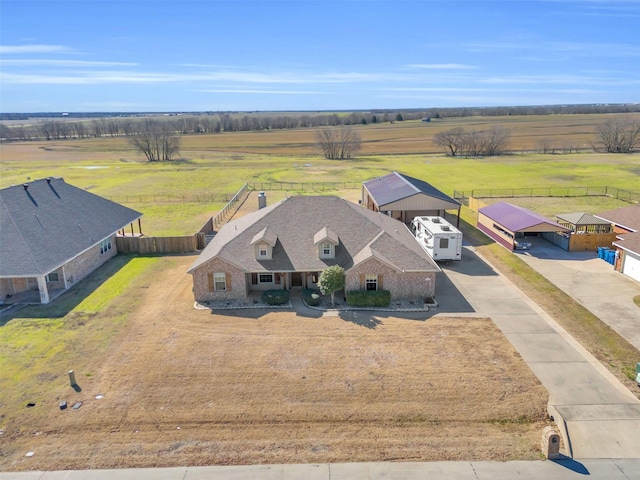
[
  {"x": 262, "y": 200},
  {"x": 26, "y": 186}
]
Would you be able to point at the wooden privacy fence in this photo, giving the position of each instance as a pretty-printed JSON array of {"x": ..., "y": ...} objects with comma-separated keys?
[
  {"x": 151, "y": 245},
  {"x": 211, "y": 224}
]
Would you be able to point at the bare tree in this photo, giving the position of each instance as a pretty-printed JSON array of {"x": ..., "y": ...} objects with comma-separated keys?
[
  {"x": 619, "y": 136},
  {"x": 338, "y": 143},
  {"x": 450, "y": 140},
  {"x": 157, "y": 141},
  {"x": 495, "y": 141},
  {"x": 474, "y": 143}
]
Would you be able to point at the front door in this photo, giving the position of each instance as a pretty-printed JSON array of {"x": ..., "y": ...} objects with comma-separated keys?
[{"x": 296, "y": 279}]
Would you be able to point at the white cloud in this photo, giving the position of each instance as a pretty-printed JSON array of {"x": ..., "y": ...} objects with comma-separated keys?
[
  {"x": 22, "y": 49},
  {"x": 441, "y": 66},
  {"x": 34, "y": 62},
  {"x": 269, "y": 92}
]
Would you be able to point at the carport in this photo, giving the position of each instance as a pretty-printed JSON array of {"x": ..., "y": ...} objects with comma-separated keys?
[
  {"x": 509, "y": 224},
  {"x": 403, "y": 198}
]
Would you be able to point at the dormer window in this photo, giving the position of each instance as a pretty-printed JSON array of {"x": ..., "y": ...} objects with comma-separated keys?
[
  {"x": 263, "y": 242},
  {"x": 326, "y": 242}
]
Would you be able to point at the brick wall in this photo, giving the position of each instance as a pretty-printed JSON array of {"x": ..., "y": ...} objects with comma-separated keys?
[
  {"x": 84, "y": 264},
  {"x": 237, "y": 279},
  {"x": 411, "y": 285}
]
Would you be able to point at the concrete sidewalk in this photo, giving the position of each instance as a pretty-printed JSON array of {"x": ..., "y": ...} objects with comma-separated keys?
[
  {"x": 559, "y": 470},
  {"x": 598, "y": 416}
]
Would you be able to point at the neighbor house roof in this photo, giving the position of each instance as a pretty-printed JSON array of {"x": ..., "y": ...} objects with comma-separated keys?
[
  {"x": 581, "y": 218},
  {"x": 629, "y": 242},
  {"x": 46, "y": 223},
  {"x": 625, "y": 217},
  {"x": 299, "y": 222},
  {"x": 515, "y": 218},
  {"x": 396, "y": 186}
]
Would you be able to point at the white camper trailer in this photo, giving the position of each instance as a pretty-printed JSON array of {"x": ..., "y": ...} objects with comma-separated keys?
[{"x": 440, "y": 239}]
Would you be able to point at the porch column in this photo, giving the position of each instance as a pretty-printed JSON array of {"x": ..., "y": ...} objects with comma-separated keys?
[
  {"x": 42, "y": 287},
  {"x": 64, "y": 278}
]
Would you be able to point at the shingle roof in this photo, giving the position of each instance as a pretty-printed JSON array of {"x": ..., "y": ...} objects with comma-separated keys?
[
  {"x": 516, "y": 218},
  {"x": 396, "y": 186},
  {"x": 627, "y": 217},
  {"x": 629, "y": 241},
  {"x": 297, "y": 220},
  {"x": 50, "y": 222},
  {"x": 581, "y": 218}
]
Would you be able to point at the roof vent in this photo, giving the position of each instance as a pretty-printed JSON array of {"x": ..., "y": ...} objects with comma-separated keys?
[
  {"x": 436, "y": 220},
  {"x": 445, "y": 228},
  {"x": 49, "y": 180},
  {"x": 26, "y": 186}
]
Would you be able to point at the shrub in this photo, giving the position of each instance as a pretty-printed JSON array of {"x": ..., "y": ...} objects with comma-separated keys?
[
  {"x": 311, "y": 297},
  {"x": 275, "y": 297},
  {"x": 369, "y": 298}
]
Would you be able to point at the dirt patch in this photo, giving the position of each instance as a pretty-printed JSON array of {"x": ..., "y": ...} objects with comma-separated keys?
[{"x": 184, "y": 386}]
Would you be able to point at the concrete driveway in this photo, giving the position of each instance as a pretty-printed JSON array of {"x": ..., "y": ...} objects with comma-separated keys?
[
  {"x": 592, "y": 282},
  {"x": 598, "y": 416}
]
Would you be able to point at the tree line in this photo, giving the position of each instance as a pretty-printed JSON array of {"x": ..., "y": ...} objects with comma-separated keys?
[
  {"x": 97, "y": 125},
  {"x": 158, "y": 138},
  {"x": 613, "y": 136}
]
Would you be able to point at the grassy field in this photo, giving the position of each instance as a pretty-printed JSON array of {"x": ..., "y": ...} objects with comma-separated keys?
[
  {"x": 187, "y": 387},
  {"x": 222, "y": 163}
]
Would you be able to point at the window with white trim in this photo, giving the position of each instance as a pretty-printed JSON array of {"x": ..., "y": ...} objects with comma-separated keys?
[
  {"x": 105, "y": 245},
  {"x": 219, "y": 281},
  {"x": 265, "y": 278},
  {"x": 263, "y": 250},
  {"x": 371, "y": 282}
]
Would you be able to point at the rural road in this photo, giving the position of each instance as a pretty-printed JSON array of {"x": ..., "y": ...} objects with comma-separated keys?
[{"x": 597, "y": 415}]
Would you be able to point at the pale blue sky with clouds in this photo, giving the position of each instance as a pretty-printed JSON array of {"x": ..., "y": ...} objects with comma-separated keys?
[{"x": 215, "y": 55}]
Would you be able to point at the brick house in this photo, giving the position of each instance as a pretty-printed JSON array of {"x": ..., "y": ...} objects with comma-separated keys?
[
  {"x": 288, "y": 244},
  {"x": 52, "y": 235}
]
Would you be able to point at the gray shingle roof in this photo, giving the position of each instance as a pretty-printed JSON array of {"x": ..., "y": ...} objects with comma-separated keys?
[
  {"x": 361, "y": 234},
  {"x": 581, "y": 218},
  {"x": 50, "y": 222},
  {"x": 396, "y": 186}
]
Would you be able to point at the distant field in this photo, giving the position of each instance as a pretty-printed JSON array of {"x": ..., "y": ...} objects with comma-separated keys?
[{"x": 222, "y": 163}]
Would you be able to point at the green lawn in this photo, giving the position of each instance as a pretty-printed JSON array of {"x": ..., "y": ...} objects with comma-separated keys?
[
  {"x": 43, "y": 342},
  {"x": 108, "y": 167}
]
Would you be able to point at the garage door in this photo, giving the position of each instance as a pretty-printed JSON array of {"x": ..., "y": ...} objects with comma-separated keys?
[{"x": 631, "y": 266}]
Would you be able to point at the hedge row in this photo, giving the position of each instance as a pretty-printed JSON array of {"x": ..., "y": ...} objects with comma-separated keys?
[
  {"x": 369, "y": 298},
  {"x": 276, "y": 297}
]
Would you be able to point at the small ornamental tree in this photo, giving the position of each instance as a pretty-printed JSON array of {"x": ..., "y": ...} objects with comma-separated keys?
[{"x": 331, "y": 280}]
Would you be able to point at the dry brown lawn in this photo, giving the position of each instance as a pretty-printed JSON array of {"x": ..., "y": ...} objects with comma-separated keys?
[{"x": 185, "y": 386}]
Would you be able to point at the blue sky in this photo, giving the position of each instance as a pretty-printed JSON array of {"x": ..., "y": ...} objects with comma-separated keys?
[{"x": 196, "y": 55}]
